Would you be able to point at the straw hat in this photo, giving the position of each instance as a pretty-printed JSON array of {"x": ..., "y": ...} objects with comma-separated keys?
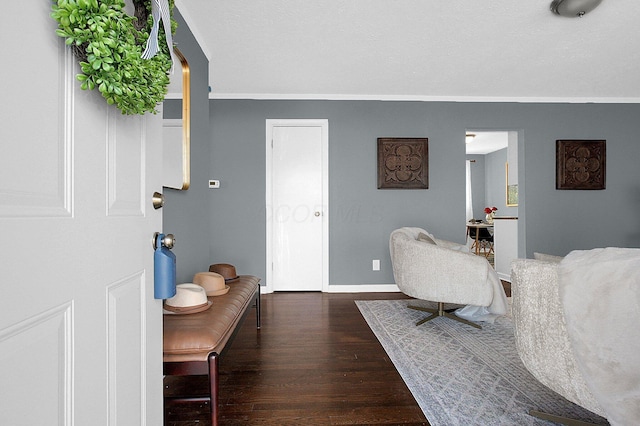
[
  {"x": 212, "y": 282},
  {"x": 226, "y": 270},
  {"x": 190, "y": 298}
]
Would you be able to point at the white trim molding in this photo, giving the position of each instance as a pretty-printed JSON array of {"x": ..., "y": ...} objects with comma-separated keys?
[
  {"x": 419, "y": 98},
  {"x": 350, "y": 288}
]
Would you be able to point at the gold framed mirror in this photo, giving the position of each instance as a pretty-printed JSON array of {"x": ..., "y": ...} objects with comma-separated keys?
[{"x": 176, "y": 137}]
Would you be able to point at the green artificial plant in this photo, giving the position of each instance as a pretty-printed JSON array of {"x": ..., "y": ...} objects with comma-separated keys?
[{"x": 109, "y": 43}]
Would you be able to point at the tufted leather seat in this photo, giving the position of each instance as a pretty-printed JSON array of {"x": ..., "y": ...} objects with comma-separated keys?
[{"x": 192, "y": 337}]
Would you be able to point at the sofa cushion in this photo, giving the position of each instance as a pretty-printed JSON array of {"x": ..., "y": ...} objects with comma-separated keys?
[
  {"x": 547, "y": 257},
  {"x": 600, "y": 296},
  {"x": 459, "y": 247}
]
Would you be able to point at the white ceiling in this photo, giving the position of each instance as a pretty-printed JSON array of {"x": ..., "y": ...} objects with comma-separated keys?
[
  {"x": 455, "y": 50},
  {"x": 487, "y": 142}
]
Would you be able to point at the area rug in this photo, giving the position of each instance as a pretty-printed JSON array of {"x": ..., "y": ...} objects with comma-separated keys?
[{"x": 460, "y": 375}]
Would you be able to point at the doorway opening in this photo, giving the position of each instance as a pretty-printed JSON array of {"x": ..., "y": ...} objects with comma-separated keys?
[{"x": 492, "y": 185}]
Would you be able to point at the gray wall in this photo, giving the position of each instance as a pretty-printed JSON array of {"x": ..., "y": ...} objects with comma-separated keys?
[
  {"x": 228, "y": 143},
  {"x": 496, "y": 191},
  {"x": 186, "y": 213},
  {"x": 559, "y": 221},
  {"x": 361, "y": 216},
  {"x": 488, "y": 180}
]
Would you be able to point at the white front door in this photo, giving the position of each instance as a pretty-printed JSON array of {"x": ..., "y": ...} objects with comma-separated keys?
[
  {"x": 297, "y": 205},
  {"x": 80, "y": 332}
]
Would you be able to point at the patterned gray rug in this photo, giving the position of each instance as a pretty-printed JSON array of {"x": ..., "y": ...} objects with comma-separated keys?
[{"x": 460, "y": 375}]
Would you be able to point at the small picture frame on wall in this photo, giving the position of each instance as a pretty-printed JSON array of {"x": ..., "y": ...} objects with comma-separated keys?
[
  {"x": 403, "y": 163},
  {"x": 580, "y": 164}
]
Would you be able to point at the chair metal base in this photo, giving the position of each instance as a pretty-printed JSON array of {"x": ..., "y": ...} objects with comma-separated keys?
[
  {"x": 441, "y": 312},
  {"x": 559, "y": 419}
]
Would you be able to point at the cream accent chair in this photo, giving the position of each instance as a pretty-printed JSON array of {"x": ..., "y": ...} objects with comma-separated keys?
[
  {"x": 575, "y": 323},
  {"x": 440, "y": 271}
]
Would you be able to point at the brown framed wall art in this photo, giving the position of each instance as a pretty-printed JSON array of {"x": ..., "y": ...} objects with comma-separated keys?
[
  {"x": 403, "y": 163},
  {"x": 580, "y": 164}
]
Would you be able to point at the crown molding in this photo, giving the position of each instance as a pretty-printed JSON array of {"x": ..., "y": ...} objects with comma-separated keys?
[{"x": 417, "y": 98}]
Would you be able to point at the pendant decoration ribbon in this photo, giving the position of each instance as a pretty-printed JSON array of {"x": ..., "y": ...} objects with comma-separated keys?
[{"x": 159, "y": 11}]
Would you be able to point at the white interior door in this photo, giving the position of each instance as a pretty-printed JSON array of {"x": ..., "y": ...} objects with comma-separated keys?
[
  {"x": 297, "y": 205},
  {"x": 80, "y": 332}
]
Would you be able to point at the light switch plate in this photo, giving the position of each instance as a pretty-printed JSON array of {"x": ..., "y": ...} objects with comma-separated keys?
[{"x": 214, "y": 183}]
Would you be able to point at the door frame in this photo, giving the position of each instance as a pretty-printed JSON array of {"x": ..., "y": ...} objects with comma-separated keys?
[{"x": 270, "y": 125}]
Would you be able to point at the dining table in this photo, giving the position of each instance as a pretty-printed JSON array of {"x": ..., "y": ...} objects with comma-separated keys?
[{"x": 477, "y": 226}]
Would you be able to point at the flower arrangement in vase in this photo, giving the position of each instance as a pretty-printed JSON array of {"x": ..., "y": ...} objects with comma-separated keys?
[{"x": 490, "y": 211}]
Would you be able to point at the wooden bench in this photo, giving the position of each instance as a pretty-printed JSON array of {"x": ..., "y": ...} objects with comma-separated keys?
[{"x": 193, "y": 343}]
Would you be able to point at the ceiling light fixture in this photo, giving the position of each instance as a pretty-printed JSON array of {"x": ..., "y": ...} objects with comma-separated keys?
[
  {"x": 573, "y": 8},
  {"x": 469, "y": 137}
]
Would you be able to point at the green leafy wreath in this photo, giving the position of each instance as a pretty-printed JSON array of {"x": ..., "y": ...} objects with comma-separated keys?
[{"x": 109, "y": 44}]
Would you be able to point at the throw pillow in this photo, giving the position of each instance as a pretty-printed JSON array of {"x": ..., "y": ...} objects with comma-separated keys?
[{"x": 426, "y": 238}]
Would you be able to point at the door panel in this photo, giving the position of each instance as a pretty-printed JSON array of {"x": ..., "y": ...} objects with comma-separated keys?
[
  {"x": 43, "y": 343},
  {"x": 298, "y": 206},
  {"x": 125, "y": 166},
  {"x": 125, "y": 342},
  {"x": 80, "y": 332}
]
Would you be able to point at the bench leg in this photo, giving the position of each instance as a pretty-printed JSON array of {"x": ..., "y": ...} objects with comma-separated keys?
[
  {"x": 258, "y": 308},
  {"x": 213, "y": 387}
]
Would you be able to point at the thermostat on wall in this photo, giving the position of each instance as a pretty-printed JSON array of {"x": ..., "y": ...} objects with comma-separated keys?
[{"x": 214, "y": 183}]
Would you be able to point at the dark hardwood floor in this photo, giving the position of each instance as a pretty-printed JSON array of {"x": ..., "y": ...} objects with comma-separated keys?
[{"x": 314, "y": 362}]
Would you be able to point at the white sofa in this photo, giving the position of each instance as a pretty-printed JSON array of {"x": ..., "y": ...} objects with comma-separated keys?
[{"x": 576, "y": 322}]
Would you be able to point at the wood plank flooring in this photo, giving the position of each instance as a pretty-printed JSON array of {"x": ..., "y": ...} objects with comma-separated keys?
[{"x": 314, "y": 362}]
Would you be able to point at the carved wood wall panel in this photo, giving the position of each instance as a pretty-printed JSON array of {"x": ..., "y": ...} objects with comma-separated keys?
[
  {"x": 403, "y": 163},
  {"x": 580, "y": 164}
]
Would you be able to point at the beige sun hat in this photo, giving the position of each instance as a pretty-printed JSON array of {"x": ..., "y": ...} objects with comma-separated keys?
[
  {"x": 212, "y": 282},
  {"x": 189, "y": 299}
]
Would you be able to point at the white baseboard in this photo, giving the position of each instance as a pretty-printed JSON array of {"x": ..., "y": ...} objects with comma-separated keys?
[
  {"x": 358, "y": 288},
  {"x": 364, "y": 288}
]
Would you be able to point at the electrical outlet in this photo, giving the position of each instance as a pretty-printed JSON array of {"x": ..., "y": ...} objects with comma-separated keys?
[
  {"x": 376, "y": 264},
  {"x": 214, "y": 183}
]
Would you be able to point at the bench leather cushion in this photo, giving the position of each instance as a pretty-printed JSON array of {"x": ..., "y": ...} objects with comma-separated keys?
[{"x": 192, "y": 337}]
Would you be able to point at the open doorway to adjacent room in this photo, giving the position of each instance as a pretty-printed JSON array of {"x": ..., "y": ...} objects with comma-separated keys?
[{"x": 492, "y": 182}]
